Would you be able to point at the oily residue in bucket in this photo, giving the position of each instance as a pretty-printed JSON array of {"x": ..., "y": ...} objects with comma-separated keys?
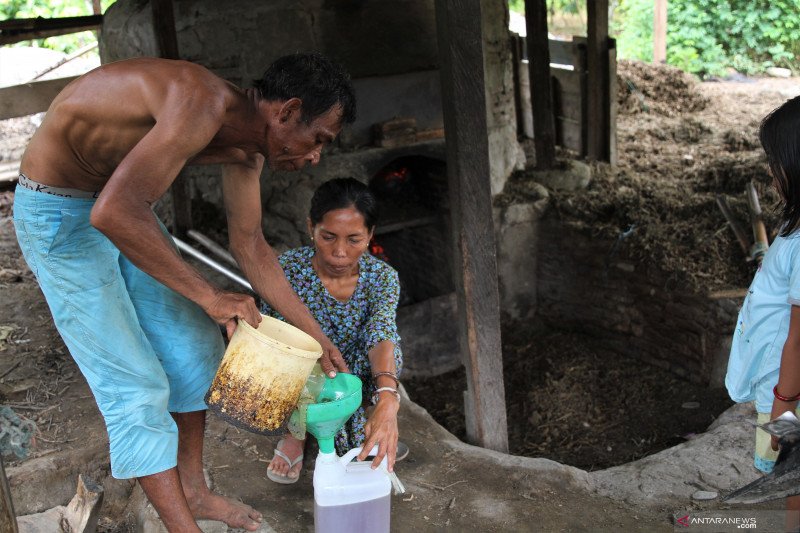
[{"x": 250, "y": 402}]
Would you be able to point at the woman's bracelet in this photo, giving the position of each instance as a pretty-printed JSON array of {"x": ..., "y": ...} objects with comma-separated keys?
[
  {"x": 377, "y": 393},
  {"x": 392, "y": 375},
  {"x": 784, "y": 398}
]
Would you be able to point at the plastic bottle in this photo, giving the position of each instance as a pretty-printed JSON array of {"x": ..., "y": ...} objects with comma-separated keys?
[
  {"x": 309, "y": 394},
  {"x": 349, "y": 496}
]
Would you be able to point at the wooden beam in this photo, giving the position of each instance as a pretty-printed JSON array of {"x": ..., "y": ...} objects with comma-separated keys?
[
  {"x": 167, "y": 40},
  {"x": 30, "y": 98},
  {"x": 475, "y": 260},
  {"x": 613, "y": 109},
  {"x": 83, "y": 511},
  {"x": 598, "y": 105},
  {"x": 164, "y": 26},
  {"x": 8, "y": 521},
  {"x": 660, "y": 32},
  {"x": 544, "y": 129},
  {"x": 17, "y": 30}
]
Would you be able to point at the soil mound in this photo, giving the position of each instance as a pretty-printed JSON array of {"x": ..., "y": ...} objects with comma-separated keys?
[
  {"x": 660, "y": 89},
  {"x": 681, "y": 144}
]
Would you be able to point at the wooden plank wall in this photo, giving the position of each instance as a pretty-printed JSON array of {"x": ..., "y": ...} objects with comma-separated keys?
[
  {"x": 569, "y": 90},
  {"x": 569, "y": 78}
]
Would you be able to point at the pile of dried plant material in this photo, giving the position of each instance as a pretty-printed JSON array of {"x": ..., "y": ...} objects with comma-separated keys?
[{"x": 678, "y": 150}]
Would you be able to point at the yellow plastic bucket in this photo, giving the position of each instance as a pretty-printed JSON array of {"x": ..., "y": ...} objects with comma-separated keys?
[{"x": 262, "y": 375}]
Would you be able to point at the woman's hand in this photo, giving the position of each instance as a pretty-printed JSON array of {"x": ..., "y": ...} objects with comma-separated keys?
[{"x": 381, "y": 429}]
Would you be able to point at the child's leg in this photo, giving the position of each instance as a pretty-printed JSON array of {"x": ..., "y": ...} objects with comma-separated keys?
[
  {"x": 793, "y": 518},
  {"x": 765, "y": 456}
]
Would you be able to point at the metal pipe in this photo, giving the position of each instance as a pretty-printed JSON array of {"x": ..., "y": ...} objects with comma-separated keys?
[
  {"x": 212, "y": 247},
  {"x": 211, "y": 263}
]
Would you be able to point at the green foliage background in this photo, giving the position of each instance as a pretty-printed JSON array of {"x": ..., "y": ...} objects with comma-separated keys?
[
  {"x": 19, "y": 9},
  {"x": 706, "y": 37}
]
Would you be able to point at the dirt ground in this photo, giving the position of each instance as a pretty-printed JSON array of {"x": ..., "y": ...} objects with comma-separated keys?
[
  {"x": 571, "y": 403},
  {"x": 680, "y": 144}
]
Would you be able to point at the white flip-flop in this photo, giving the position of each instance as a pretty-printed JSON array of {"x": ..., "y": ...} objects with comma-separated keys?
[{"x": 278, "y": 478}]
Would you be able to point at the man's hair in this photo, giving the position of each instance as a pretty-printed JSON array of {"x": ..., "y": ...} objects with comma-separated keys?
[{"x": 314, "y": 79}]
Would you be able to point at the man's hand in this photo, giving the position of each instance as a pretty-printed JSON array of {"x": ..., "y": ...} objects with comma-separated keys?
[
  {"x": 227, "y": 307},
  {"x": 331, "y": 360}
]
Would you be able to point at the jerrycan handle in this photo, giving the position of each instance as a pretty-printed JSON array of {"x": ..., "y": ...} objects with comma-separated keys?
[
  {"x": 396, "y": 484},
  {"x": 349, "y": 456}
]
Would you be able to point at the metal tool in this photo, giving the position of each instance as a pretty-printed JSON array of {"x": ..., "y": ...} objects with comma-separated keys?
[
  {"x": 182, "y": 246},
  {"x": 784, "y": 480},
  {"x": 760, "y": 243}
]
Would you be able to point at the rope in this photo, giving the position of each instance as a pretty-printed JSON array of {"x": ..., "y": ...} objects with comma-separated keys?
[{"x": 15, "y": 433}]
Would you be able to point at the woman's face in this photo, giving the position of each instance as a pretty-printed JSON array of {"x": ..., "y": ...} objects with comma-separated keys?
[{"x": 340, "y": 238}]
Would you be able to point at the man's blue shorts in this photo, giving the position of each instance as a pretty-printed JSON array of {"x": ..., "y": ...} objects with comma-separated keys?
[{"x": 145, "y": 350}]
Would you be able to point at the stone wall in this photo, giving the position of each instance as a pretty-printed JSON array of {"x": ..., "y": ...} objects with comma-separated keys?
[
  {"x": 389, "y": 48},
  {"x": 630, "y": 307},
  {"x": 505, "y": 153}
]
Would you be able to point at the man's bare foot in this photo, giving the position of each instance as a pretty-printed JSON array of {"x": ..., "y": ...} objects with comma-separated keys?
[
  {"x": 236, "y": 514},
  {"x": 292, "y": 448}
]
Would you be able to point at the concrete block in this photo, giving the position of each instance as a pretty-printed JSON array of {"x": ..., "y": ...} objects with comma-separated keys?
[
  {"x": 47, "y": 522},
  {"x": 577, "y": 175}
]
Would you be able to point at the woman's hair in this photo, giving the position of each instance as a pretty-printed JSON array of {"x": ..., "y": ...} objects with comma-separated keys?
[
  {"x": 341, "y": 193},
  {"x": 317, "y": 81},
  {"x": 780, "y": 136}
]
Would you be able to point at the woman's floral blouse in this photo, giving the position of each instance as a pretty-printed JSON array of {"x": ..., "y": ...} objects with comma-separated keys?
[{"x": 354, "y": 326}]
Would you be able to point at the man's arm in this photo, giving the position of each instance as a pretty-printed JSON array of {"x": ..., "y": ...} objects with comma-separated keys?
[
  {"x": 123, "y": 210},
  {"x": 242, "y": 192}
]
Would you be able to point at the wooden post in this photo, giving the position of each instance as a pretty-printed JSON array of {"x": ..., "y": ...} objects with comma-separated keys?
[
  {"x": 167, "y": 39},
  {"x": 613, "y": 106},
  {"x": 598, "y": 97},
  {"x": 164, "y": 26},
  {"x": 475, "y": 260},
  {"x": 544, "y": 128},
  {"x": 660, "y": 32},
  {"x": 8, "y": 521}
]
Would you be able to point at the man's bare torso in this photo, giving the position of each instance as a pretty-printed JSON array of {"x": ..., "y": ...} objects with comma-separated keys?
[{"x": 95, "y": 122}]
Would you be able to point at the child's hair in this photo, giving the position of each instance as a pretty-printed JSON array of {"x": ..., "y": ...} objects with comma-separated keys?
[
  {"x": 341, "y": 193},
  {"x": 780, "y": 136}
]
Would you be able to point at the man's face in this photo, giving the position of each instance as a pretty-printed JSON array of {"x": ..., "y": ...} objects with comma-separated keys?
[{"x": 295, "y": 143}]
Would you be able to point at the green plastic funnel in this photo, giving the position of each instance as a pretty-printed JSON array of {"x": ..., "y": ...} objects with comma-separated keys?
[{"x": 339, "y": 398}]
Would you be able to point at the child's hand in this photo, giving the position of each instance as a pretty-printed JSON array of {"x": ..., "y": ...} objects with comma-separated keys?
[{"x": 778, "y": 408}]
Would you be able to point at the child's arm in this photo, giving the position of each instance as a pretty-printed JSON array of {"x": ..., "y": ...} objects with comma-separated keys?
[{"x": 789, "y": 374}]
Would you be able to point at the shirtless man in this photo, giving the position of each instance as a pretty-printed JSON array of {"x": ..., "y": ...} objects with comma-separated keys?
[{"x": 138, "y": 320}]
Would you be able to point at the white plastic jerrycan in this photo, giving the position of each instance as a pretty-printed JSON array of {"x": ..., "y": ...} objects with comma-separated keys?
[{"x": 349, "y": 496}]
